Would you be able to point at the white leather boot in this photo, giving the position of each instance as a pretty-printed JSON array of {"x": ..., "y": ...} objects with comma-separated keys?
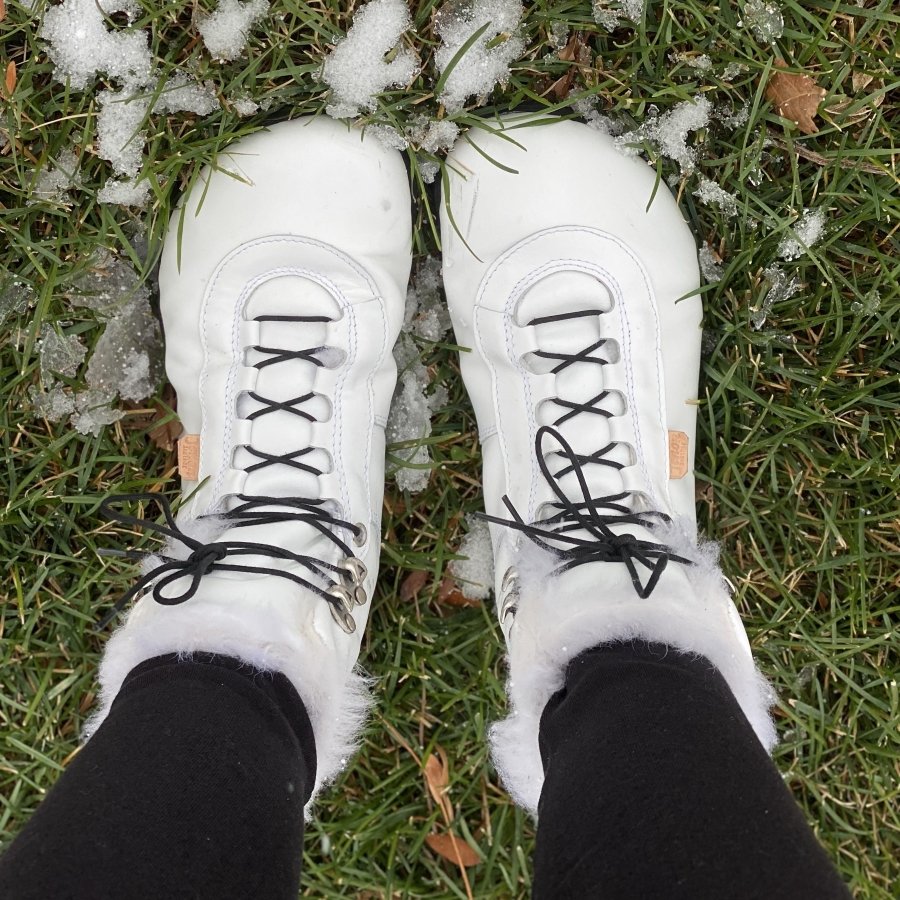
[
  {"x": 573, "y": 278},
  {"x": 282, "y": 286}
]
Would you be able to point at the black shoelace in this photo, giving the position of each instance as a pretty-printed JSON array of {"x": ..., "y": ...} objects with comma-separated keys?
[
  {"x": 338, "y": 584},
  {"x": 593, "y": 517}
]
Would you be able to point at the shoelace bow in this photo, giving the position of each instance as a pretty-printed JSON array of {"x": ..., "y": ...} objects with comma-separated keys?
[
  {"x": 252, "y": 510},
  {"x": 594, "y": 516}
]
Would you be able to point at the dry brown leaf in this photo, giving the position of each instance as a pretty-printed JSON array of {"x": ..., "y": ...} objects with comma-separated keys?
[
  {"x": 412, "y": 585},
  {"x": 163, "y": 434},
  {"x": 2, "y": 10},
  {"x": 452, "y": 848},
  {"x": 860, "y": 80},
  {"x": 10, "y": 80},
  {"x": 796, "y": 97},
  {"x": 437, "y": 779},
  {"x": 449, "y": 594}
]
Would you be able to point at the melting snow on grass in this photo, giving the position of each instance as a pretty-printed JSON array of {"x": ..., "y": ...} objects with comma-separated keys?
[
  {"x": 356, "y": 70},
  {"x": 806, "y": 233},
  {"x": 781, "y": 287},
  {"x": 475, "y": 573},
  {"x": 486, "y": 62},
  {"x": 413, "y": 405},
  {"x": 225, "y": 32}
]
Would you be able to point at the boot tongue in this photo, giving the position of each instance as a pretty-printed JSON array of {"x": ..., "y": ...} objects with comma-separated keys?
[
  {"x": 280, "y": 432},
  {"x": 586, "y": 432}
]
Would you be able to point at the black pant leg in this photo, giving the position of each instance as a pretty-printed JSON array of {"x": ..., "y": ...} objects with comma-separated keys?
[
  {"x": 657, "y": 787},
  {"x": 193, "y": 787}
]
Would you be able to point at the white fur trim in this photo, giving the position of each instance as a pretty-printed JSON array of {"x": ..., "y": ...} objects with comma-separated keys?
[
  {"x": 693, "y": 614},
  {"x": 257, "y": 631}
]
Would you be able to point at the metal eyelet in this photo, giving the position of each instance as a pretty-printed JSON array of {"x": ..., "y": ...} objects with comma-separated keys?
[
  {"x": 359, "y": 595},
  {"x": 355, "y": 568},
  {"x": 361, "y": 534},
  {"x": 343, "y": 618},
  {"x": 341, "y": 593},
  {"x": 509, "y": 589},
  {"x": 510, "y": 575}
]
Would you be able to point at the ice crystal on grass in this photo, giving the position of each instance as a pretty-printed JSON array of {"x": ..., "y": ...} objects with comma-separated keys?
[
  {"x": 225, "y": 32},
  {"x": 732, "y": 70},
  {"x": 60, "y": 354},
  {"x": 711, "y": 194},
  {"x": 806, "y": 233},
  {"x": 475, "y": 573},
  {"x": 559, "y": 35},
  {"x": 389, "y": 136},
  {"x": 81, "y": 44},
  {"x": 356, "y": 70},
  {"x": 611, "y": 19},
  {"x": 486, "y": 62},
  {"x": 433, "y": 135},
  {"x": 869, "y": 305},
  {"x": 710, "y": 264},
  {"x": 765, "y": 20},
  {"x": 54, "y": 182},
  {"x": 125, "y": 192},
  {"x": 668, "y": 133},
  {"x": 738, "y": 117},
  {"x": 586, "y": 107},
  {"x": 781, "y": 287}
]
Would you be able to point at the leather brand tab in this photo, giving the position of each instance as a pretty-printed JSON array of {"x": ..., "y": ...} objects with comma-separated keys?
[
  {"x": 189, "y": 456},
  {"x": 678, "y": 454}
]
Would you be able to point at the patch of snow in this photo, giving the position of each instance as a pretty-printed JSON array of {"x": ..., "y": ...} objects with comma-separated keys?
[
  {"x": 711, "y": 194},
  {"x": 60, "y": 354},
  {"x": 475, "y": 574},
  {"x": 781, "y": 287},
  {"x": 81, "y": 45},
  {"x": 54, "y": 404},
  {"x": 558, "y": 35},
  {"x": 356, "y": 70},
  {"x": 244, "y": 106},
  {"x": 806, "y": 233},
  {"x": 669, "y": 132},
  {"x": 120, "y": 138},
  {"x": 16, "y": 297},
  {"x": 586, "y": 107},
  {"x": 428, "y": 169},
  {"x": 433, "y": 135},
  {"x": 604, "y": 16},
  {"x": 54, "y": 182},
  {"x": 126, "y": 358},
  {"x": 226, "y": 30},
  {"x": 106, "y": 284},
  {"x": 413, "y": 405},
  {"x": 710, "y": 264},
  {"x": 389, "y": 136},
  {"x": 765, "y": 19},
  {"x": 486, "y": 63},
  {"x": 426, "y": 314},
  {"x": 125, "y": 192},
  {"x": 183, "y": 94},
  {"x": 93, "y": 412}
]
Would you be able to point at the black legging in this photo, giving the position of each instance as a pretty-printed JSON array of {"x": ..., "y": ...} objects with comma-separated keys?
[{"x": 194, "y": 787}]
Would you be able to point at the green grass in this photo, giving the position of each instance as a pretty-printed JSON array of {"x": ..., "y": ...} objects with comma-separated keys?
[{"x": 798, "y": 434}]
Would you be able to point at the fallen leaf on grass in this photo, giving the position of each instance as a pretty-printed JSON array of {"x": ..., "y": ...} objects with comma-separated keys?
[
  {"x": 452, "y": 848},
  {"x": 437, "y": 779},
  {"x": 412, "y": 585},
  {"x": 449, "y": 594},
  {"x": 162, "y": 432},
  {"x": 796, "y": 97},
  {"x": 2, "y": 10},
  {"x": 10, "y": 80}
]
